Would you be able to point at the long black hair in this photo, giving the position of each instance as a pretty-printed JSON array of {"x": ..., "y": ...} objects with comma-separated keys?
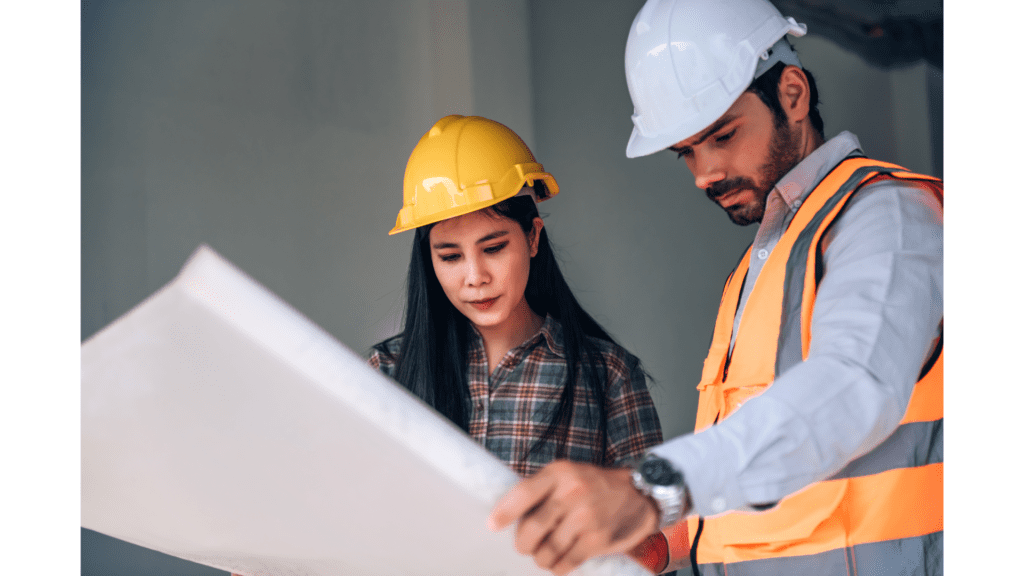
[{"x": 434, "y": 343}]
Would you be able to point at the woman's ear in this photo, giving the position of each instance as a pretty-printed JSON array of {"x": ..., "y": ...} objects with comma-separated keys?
[{"x": 534, "y": 239}]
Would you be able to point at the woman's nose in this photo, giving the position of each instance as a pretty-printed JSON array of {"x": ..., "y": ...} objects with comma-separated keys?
[{"x": 476, "y": 274}]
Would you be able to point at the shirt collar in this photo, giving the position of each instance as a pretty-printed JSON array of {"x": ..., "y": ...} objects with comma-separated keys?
[
  {"x": 798, "y": 182},
  {"x": 552, "y": 333}
]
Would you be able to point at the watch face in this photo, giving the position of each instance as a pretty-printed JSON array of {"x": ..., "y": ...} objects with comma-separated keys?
[{"x": 659, "y": 472}]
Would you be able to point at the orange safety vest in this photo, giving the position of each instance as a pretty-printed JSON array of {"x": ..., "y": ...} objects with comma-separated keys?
[{"x": 882, "y": 514}]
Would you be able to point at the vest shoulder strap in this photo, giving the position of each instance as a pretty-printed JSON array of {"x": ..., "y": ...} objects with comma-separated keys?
[{"x": 804, "y": 267}]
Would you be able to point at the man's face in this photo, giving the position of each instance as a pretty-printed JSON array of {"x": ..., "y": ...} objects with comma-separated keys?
[{"x": 739, "y": 158}]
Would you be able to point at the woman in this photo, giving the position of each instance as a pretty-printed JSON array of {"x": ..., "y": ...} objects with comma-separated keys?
[{"x": 493, "y": 337}]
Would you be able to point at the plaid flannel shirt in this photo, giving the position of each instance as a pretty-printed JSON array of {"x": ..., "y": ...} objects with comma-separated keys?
[{"x": 511, "y": 407}]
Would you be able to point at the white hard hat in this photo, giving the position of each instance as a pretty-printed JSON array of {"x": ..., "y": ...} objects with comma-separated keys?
[{"x": 687, "y": 61}]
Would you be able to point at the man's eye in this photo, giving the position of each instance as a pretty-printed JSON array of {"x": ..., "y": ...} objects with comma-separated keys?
[
  {"x": 725, "y": 137},
  {"x": 496, "y": 248}
]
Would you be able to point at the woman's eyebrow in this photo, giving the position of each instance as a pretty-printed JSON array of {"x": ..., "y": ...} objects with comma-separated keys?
[{"x": 491, "y": 236}]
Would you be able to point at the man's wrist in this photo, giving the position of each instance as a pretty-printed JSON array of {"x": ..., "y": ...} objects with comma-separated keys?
[{"x": 664, "y": 485}]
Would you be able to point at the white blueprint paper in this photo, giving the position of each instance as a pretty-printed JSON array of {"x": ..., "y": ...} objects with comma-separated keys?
[{"x": 221, "y": 426}]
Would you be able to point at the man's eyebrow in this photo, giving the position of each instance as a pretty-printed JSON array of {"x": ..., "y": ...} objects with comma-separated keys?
[
  {"x": 709, "y": 131},
  {"x": 491, "y": 236}
]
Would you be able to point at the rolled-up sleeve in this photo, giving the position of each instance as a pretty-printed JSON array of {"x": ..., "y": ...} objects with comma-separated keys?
[{"x": 876, "y": 317}]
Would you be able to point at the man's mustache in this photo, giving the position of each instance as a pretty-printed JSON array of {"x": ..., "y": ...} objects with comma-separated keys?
[{"x": 723, "y": 187}]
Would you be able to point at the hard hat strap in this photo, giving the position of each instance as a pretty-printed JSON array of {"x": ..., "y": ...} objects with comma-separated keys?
[{"x": 781, "y": 51}]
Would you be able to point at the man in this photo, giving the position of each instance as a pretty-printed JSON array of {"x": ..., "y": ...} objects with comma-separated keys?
[{"x": 819, "y": 426}]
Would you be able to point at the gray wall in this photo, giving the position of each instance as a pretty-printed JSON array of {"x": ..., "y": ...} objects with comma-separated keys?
[{"x": 277, "y": 132}]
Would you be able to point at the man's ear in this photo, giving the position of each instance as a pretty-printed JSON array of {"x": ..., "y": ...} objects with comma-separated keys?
[
  {"x": 794, "y": 94},
  {"x": 538, "y": 225}
]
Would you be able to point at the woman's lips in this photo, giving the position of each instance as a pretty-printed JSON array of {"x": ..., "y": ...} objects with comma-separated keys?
[{"x": 484, "y": 304}]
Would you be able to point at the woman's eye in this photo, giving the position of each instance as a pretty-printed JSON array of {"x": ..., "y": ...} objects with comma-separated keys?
[
  {"x": 496, "y": 248},
  {"x": 725, "y": 137},
  {"x": 684, "y": 153},
  {"x": 448, "y": 257}
]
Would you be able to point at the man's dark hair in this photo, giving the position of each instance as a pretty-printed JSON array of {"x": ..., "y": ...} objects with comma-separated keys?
[{"x": 766, "y": 86}]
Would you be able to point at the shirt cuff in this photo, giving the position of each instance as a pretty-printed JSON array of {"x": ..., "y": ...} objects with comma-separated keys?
[{"x": 709, "y": 471}]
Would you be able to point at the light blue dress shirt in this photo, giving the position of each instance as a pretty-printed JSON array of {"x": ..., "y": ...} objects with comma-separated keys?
[{"x": 876, "y": 318}]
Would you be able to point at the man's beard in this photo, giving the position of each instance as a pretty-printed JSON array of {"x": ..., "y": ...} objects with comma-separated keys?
[{"x": 782, "y": 157}]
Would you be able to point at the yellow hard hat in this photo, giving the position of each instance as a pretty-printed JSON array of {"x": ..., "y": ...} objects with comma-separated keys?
[{"x": 464, "y": 164}]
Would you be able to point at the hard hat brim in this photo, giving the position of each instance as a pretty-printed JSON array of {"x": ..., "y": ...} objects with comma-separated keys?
[
  {"x": 639, "y": 145},
  {"x": 519, "y": 178}
]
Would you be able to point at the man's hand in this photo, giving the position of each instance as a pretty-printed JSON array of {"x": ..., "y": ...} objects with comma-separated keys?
[{"x": 569, "y": 512}]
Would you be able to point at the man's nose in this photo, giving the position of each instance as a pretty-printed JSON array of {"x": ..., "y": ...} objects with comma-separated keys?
[{"x": 707, "y": 169}]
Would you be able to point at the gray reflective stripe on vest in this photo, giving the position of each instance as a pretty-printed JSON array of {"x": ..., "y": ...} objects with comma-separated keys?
[
  {"x": 917, "y": 556},
  {"x": 912, "y": 444},
  {"x": 790, "y": 352}
]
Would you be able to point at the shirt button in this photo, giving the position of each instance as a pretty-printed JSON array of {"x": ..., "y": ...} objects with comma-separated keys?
[
  {"x": 762, "y": 253},
  {"x": 718, "y": 504}
]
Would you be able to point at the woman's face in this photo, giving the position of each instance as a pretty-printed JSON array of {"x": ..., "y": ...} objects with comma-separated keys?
[{"x": 482, "y": 261}]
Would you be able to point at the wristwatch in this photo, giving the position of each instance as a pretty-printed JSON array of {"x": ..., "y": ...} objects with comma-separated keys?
[{"x": 658, "y": 478}]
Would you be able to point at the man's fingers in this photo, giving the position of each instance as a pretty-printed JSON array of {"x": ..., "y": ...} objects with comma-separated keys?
[
  {"x": 523, "y": 497},
  {"x": 593, "y": 536},
  {"x": 560, "y": 539},
  {"x": 569, "y": 512},
  {"x": 536, "y": 527},
  {"x": 551, "y": 552},
  {"x": 571, "y": 559},
  {"x": 571, "y": 543},
  {"x": 567, "y": 563}
]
